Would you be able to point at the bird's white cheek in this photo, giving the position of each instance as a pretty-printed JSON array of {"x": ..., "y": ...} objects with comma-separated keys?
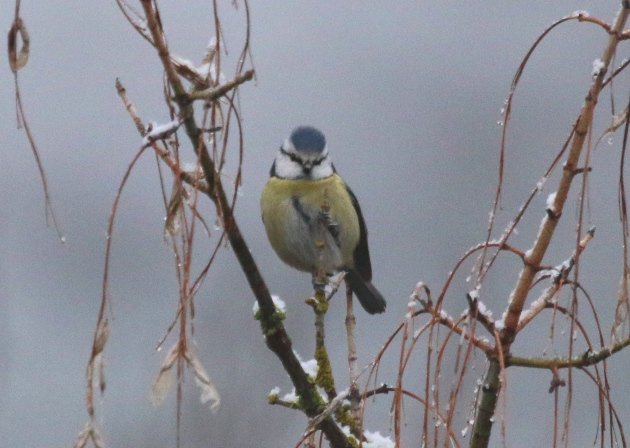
[
  {"x": 287, "y": 169},
  {"x": 321, "y": 171}
]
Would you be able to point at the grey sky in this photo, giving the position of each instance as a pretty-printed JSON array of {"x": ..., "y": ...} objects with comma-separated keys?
[{"x": 408, "y": 95}]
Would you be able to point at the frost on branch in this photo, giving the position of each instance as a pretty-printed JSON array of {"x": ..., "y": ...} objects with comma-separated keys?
[
  {"x": 598, "y": 66},
  {"x": 160, "y": 131}
]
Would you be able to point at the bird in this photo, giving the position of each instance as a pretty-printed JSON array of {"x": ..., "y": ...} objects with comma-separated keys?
[{"x": 313, "y": 219}]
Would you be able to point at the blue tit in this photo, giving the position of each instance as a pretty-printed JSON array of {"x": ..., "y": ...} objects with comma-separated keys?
[{"x": 313, "y": 219}]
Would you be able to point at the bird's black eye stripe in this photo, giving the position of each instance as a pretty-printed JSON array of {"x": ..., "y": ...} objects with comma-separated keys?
[
  {"x": 295, "y": 158},
  {"x": 292, "y": 156}
]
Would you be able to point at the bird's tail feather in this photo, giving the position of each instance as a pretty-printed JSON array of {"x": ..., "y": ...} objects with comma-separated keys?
[{"x": 369, "y": 297}]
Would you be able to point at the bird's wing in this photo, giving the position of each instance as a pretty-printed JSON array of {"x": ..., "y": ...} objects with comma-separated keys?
[{"x": 361, "y": 254}]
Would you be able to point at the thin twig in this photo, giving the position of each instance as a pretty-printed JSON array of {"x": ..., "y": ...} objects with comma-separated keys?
[
  {"x": 17, "y": 60},
  {"x": 558, "y": 280}
]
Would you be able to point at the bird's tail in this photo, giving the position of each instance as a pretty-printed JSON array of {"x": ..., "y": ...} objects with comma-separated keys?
[{"x": 369, "y": 297}]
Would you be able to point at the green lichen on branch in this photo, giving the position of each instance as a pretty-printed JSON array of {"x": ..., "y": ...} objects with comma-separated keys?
[
  {"x": 274, "y": 399},
  {"x": 270, "y": 324},
  {"x": 344, "y": 416},
  {"x": 353, "y": 442},
  {"x": 318, "y": 302},
  {"x": 324, "y": 378}
]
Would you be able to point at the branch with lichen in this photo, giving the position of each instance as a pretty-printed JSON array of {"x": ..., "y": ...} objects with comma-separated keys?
[
  {"x": 354, "y": 396},
  {"x": 276, "y": 336},
  {"x": 324, "y": 377},
  {"x": 586, "y": 359}
]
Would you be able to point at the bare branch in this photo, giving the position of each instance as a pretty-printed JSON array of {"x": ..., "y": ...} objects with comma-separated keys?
[
  {"x": 17, "y": 60},
  {"x": 214, "y": 93},
  {"x": 588, "y": 358},
  {"x": 548, "y": 225},
  {"x": 559, "y": 279}
]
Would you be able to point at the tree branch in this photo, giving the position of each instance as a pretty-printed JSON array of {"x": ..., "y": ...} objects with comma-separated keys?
[
  {"x": 549, "y": 222},
  {"x": 276, "y": 336},
  {"x": 214, "y": 93},
  {"x": 487, "y": 402},
  {"x": 589, "y": 358}
]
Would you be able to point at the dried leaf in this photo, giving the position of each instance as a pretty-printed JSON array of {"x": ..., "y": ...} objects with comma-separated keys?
[
  {"x": 174, "y": 210},
  {"x": 98, "y": 365},
  {"x": 208, "y": 391},
  {"x": 18, "y": 59},
  {"x": 161, "y": 386},
  {"x": 164, "y": 380},
  {"x": 621, "y": 311},
  {"x": 101, "y": 337},
  {"x": 97, "y": 439},
  {"x": 83, "y": 437},
  {"x": 89, "y": 432},
  {"x": 618, "y": 120}
]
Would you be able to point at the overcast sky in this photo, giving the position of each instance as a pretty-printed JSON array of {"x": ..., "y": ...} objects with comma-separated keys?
[{"x": 409, "y": 96}]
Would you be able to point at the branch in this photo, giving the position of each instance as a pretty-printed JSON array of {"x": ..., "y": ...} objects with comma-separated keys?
[
  {"x": 276, "y": 336},
  {"x": 17, "y": 61},
  {"x": 354, "y": 396},
  {"x": 324, "y": 377},
  {"x": 589, "y": 358},
  {"x": 486, "y": 404},
  {"x": 558, "y": 280},
  {"x": 190, "y": 178},
  {"x": 549, "y": 222},
  {"x": 443, "y": 318},
  {"x": 214, "y": 93}
]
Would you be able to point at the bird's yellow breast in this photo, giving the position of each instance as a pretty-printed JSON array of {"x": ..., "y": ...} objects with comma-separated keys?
[{"x": 311, "y": 224}]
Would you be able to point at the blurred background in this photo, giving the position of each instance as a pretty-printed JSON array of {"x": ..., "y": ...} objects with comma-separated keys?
[{"x": 409, "y": 95}]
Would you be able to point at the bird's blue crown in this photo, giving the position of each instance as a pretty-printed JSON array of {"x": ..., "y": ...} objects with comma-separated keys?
[{"x": 307, "y": 139}]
